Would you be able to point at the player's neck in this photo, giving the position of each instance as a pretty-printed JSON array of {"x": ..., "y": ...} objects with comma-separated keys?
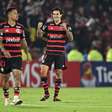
[
  {"x": 57, "y": 22},
  {"x": 11, "y": 22}
]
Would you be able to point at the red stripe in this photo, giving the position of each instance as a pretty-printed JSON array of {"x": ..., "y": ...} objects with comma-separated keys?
[
  {"x": 12, "y": 56},
  {"x": 60, "y": 41},
  {"x": 12, "y": 51},
  {"x": 5, "y": 38},
  {"x": 55, "y": 46},
  {"x": 12, "y": 30},
  {"x": 14, "y": 45},
  {"x": 56, "y": 28},
  {"x": 56, "y": 35},
  {"x": 1, "y": 38},
  {"x": 56, "y": 50}
]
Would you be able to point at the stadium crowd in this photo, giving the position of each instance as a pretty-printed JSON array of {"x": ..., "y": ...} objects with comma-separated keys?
[{"x": 91, "y": 22}]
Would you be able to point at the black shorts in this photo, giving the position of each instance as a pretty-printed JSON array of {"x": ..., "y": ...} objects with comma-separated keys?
[
  {"x": 57, "y": 60},
  {"x": 9, "y": 64}
]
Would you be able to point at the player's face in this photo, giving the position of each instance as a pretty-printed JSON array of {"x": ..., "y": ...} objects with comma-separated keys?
[
  {"x": 13, "y": 15},
  {"x": 56, "y": 15}
]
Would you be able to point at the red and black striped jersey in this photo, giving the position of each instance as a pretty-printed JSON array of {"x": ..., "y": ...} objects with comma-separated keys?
[
  {"x": 11, "y": 38},
  {"x": 56, "y": 38}
]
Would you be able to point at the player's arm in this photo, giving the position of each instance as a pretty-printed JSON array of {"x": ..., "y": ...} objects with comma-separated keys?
[
  {"x": 42, "y": 30},
  {"x": 69, "y": 34},
  {"x": 1, "y": 46},
  {"x": 40, "y": 33},
  {"x": 25, "y": 47}
]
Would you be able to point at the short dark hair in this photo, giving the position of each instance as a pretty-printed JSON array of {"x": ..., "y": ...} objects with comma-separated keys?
[
  {"x": 10, "y": 9},
  {"x": 57, "y": 9}
]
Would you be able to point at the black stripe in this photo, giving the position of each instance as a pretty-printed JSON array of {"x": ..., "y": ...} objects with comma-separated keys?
[
  {"x": 13, "y": 53},
  {"x": 12, "y": 48},
  {"x": 55, "y": 53},
  {"x": 56, "y": 43},
  {"x": 56, "y": 38},
  {"x": 4, "y": 42},
  {"x": 12, "y": 35},
  {"x": 55, "y": 48},
  {"x": 56, "y": 32}
]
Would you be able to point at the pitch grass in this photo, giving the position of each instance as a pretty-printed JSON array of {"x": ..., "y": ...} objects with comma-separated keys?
[{"x": 73, "y": 100}]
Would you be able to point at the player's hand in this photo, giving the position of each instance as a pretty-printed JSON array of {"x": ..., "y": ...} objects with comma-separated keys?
[
  {"x": 64, "y": 25},
  {"x": 40, "y": 25},
  {"x": 7, "y": 54}
]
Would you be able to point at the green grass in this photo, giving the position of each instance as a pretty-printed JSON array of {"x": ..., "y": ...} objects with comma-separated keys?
[{"x": 73, "y": 100}]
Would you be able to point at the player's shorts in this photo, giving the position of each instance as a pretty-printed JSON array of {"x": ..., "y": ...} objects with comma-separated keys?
[
  {"x": 9, "y": 64},
  {"x": 57, "y": 60}
]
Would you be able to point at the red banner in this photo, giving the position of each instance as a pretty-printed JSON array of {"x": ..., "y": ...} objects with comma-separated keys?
[
  {"x": 31, "y": 75},
  {"x": 72, "y": 74}
]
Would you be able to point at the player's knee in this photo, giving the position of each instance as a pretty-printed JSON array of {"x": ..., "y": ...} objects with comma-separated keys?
[
  {"x": 17, "y": 74},
  {"x": 5, "y": 79},
  {"x": 44, "y": 70},
  {"x": 59, "y": 73}
]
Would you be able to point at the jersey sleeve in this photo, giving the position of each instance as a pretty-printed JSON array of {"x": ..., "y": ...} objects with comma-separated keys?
[
  {"x": 1, "y": 32},
  {"x": 23, "y": 33}
]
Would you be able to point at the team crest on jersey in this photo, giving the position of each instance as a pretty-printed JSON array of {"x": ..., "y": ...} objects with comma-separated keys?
[{"x": 18, "y": 30}]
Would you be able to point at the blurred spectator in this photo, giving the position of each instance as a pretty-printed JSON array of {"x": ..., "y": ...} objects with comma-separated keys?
[
  {"x": 94, "y": 54},
  {"x": 109, "y": 54},
  {"x": 25, "y": 56},
  {"x": 75, "y": 55},
  {"x": 82, "y": 37}
]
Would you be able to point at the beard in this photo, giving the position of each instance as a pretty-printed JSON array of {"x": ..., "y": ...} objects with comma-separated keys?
[{"x": 56, "y": 19}]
